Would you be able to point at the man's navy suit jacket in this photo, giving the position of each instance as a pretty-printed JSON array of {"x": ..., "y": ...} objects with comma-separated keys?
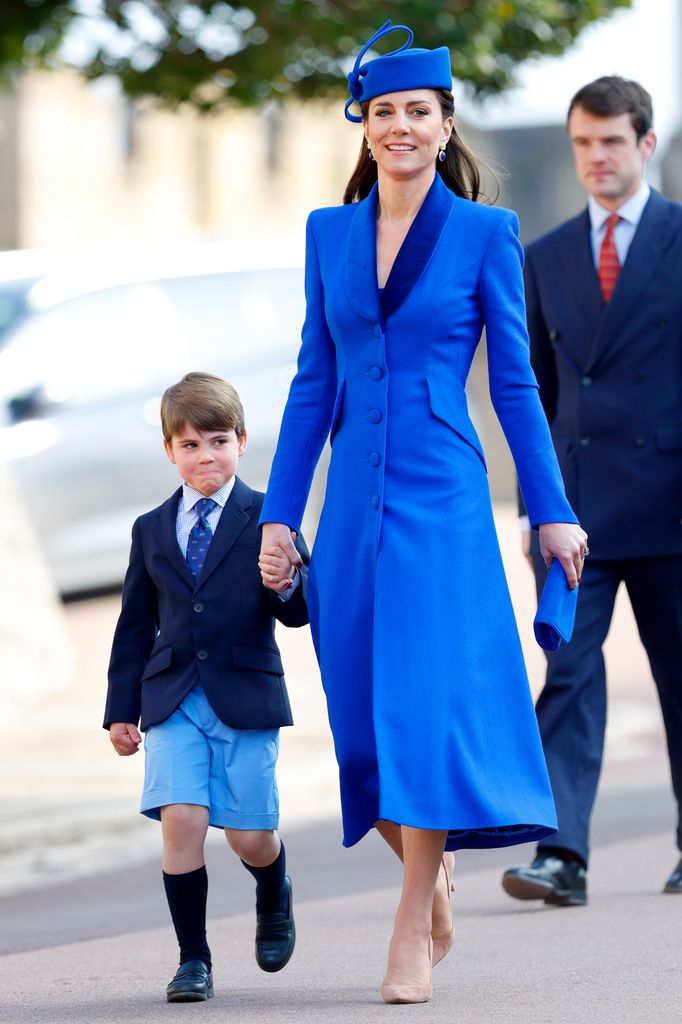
[
  {"x": 610, "y": 379},
  {"x": 219, "y": 631}
]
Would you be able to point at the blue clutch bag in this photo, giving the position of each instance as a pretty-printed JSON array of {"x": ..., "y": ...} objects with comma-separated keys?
[{"x": 556, "y": 611}]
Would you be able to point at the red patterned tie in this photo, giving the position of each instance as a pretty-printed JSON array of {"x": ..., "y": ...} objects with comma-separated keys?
[{"x": 609, "y": 264}]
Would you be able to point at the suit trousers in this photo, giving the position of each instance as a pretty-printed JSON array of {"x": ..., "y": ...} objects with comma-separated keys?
[{"x": 571, "y": 708}]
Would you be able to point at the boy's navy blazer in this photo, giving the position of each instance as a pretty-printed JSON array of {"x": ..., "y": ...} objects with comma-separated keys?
[
  {"x": 610, "y": 379},
  {"x": 219, "y": 631}
]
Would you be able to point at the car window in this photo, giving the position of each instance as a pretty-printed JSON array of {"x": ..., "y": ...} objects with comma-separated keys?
[{"x": 114, "y": 342}]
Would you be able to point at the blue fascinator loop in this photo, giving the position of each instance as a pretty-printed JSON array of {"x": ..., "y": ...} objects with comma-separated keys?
[
  {"x": 400, "y": 69},
  {"x": 355, "y": 76}
]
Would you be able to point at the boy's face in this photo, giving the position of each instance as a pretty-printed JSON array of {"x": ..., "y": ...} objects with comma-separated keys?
[{"x": 206, "y": 461}]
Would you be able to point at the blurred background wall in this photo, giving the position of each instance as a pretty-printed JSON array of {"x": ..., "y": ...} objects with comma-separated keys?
[{"x": 81, "y": 165}]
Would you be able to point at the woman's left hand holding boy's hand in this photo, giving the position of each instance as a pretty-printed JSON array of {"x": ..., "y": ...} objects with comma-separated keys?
[
  {"x": 568, "y": 543},
  {"x": 278, "y": 556},
  {"x": 125, "y": 737}
]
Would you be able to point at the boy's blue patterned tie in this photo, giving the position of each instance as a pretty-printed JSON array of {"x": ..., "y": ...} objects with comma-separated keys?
[{"x": 200, "y": 536}]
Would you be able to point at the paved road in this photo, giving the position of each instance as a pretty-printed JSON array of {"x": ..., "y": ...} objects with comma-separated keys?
[{"x": 616, "y": 960}]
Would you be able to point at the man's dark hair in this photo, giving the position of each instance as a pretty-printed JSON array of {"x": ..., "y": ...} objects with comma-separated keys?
[{"x": 612, "y": 95}]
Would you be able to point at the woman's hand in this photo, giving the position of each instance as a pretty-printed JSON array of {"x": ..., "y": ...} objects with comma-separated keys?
[
  {"x": 568, "y": 543},
  {"x": 277, "y": 536}
]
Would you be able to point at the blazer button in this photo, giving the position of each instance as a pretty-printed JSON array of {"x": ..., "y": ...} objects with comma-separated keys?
[
  {"x": 202, "y": 654},
  {"x": 374, "y": 416},
  {"x": 585, "y": 441},
  {"x": 374, "y": 501},
  {"x": 374, "y": 458},
  {"x": 585, "y": 381},
  {"x": 198, "y": 606},
  {"x": 639, "y": 441},
  {"x": 553, "y": 335},
  {"x": 376, "y": 373}
]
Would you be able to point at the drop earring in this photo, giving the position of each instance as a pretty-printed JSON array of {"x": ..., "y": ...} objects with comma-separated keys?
[
  {"x": 441, "y": 153},
  {"x": 370, "y": 154}
]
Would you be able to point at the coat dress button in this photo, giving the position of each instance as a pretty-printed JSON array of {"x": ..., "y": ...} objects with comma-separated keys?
[
  {"x": 374, "y": 458},
  {"x": 202, "y": 654},
  {"x": 376, "y": 373},
  {"x": 374, "y": 416},
  {"x": 198, "y": 606},
  {"x": 585, "y": 441},
  {"x": 374, "y": 501}
]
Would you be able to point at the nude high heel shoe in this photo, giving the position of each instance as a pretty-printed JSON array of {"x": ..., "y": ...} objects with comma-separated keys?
[
  {"x": 409, "y": 992},
  {"x": 443, "y": 941}
]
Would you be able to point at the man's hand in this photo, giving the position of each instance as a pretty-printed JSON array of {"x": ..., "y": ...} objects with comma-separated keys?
[
  {"x": 278, "y": 556},
  {"x": 125, "y": 738}
]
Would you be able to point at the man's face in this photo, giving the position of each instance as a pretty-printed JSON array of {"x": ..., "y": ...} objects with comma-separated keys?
[{"x": 609, "y": 161}]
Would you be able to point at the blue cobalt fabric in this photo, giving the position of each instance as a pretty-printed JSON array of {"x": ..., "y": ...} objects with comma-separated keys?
[
  {"x": 555, "y": 616},
  {"x": 404, "y": 68},
  {"x": 426, "y": 686}
]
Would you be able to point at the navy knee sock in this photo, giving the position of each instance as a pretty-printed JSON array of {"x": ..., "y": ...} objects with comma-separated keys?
[
  {"x": 270, "y": 896},
  {"x": 186, "y": 895}
]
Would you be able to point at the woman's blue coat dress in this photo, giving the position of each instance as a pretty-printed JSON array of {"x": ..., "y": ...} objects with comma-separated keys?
[{"x": 427, "y": 692}]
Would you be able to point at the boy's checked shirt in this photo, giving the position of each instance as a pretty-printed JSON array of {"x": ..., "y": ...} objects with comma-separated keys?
[{"x": 187, "y": 517}]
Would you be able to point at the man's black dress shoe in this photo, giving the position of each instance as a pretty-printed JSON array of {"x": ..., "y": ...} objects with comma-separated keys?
[
  {"x": 193, "y": 983},
  {"x": 550, "y": 878},
  {"x": 276, "y": 936},
  {"x": 674, "y": 883}
]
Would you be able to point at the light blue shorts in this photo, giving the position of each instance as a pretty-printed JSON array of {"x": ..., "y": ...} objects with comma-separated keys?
[{"x": 194, "y": 758}]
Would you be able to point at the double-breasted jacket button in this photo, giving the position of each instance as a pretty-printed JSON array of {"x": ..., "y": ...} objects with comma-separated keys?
[
  {"x": 585, "y": 441},
  {"x": 374, "y": 416},
  {"x": 639, "y": 441},
  {"x": 374, "y": 501},
  {"x": 198, "y": 606},
  {"x": 202, "y": 654},
  {"x": 374, "y": 458},
  {"x": 585, "y": 382},
  {"x": 376, "y": 373}
]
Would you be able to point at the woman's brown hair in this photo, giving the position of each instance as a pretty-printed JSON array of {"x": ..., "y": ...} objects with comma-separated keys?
[{"x": 461, "y": 170}]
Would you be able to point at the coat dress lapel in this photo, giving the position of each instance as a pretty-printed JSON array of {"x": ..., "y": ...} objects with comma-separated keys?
[
  {"x": 412, "y": 260},
  {"x": 652, "y": 236},
  {"x": 418, "y": 247},
  {"x": 232, "y": 521},
  {"x": 361, "y": 260}
]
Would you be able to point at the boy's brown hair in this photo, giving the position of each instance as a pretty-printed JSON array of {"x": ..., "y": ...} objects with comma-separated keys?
[{"x": 204, "y": 402}]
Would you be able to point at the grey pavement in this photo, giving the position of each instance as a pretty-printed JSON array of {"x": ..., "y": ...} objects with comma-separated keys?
[{"x": 616, "y": 960}]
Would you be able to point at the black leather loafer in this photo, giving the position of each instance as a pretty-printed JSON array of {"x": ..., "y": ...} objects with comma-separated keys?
[
  {"x": 550, "y": 878},
  {"x": 193, "y": 983},
  {"x": 276, "y": 936},
  {"x": 674, "y": 883}
]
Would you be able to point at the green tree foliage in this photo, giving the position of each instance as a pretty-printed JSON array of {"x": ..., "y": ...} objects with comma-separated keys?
[{"x": 208, "y": 52}]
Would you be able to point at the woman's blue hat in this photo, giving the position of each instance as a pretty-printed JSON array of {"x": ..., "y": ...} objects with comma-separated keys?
[{"x": 398, "y": 70}]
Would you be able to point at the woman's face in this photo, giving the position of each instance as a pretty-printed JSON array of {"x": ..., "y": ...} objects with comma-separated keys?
[{"x": 405, "y": 130}]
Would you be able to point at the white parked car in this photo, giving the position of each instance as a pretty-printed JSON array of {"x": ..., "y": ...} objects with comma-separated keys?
[{"x": 81, "y": 376}]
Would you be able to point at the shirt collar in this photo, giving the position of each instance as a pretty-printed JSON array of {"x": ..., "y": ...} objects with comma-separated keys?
[
  {"x": 190, "y": 497},
  {"x": 631, "y": 210}
]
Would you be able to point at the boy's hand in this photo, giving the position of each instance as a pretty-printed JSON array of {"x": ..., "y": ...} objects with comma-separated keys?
[
  {"x": 125, "y": 738},
  {"x": 276, "y": 568}
]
